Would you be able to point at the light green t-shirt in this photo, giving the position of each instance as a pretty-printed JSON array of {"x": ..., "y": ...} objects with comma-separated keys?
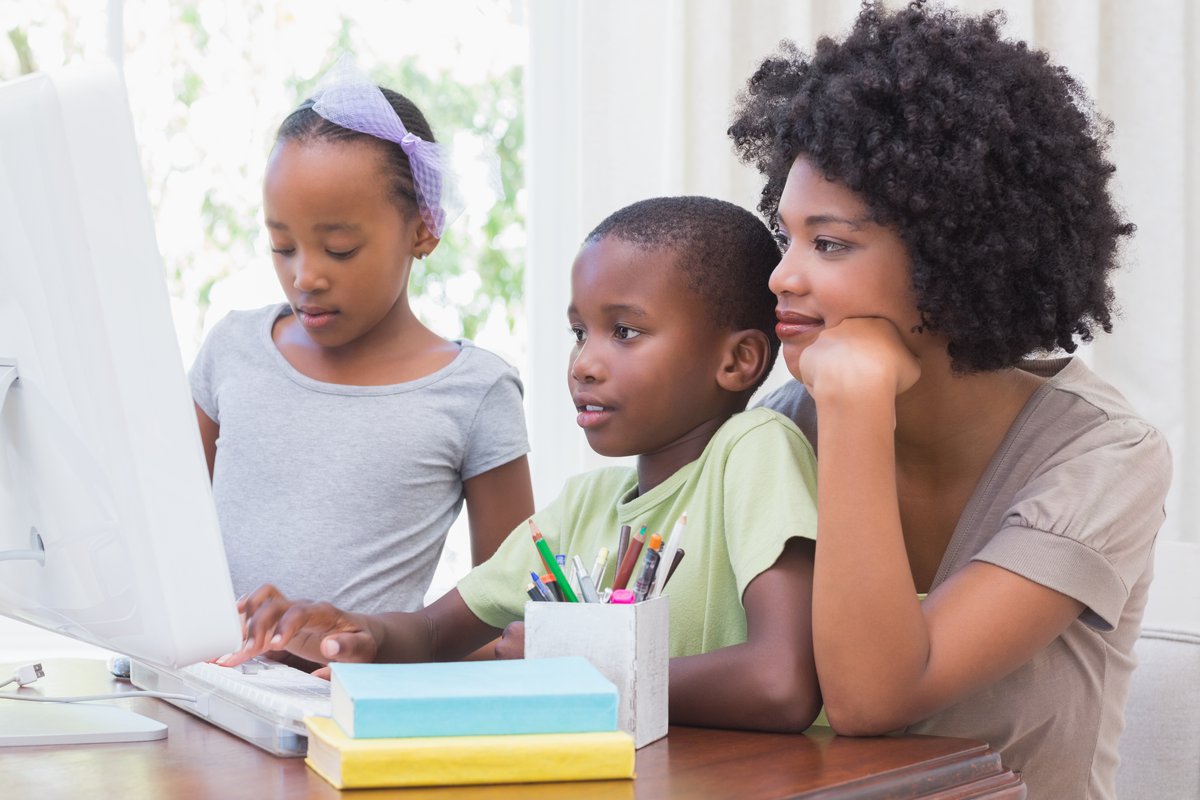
[{"x": 753, "y": 488}]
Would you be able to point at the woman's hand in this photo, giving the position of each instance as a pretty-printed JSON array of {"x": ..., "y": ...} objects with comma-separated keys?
[
  {"x": 859, "y": 355},
  {"x": 318, "y": 632}
]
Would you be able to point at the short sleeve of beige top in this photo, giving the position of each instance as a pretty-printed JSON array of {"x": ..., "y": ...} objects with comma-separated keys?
[{"x": 1072, "y": 499}]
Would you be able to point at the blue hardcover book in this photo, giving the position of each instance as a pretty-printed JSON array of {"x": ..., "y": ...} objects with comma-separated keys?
[{"x": 469, "y": 698}]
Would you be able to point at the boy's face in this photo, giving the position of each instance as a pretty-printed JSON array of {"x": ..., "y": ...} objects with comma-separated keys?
[{"x": 643, "y": 370}]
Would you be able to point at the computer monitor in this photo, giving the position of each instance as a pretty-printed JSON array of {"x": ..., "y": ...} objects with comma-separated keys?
[{"x": 108, "y": 531}]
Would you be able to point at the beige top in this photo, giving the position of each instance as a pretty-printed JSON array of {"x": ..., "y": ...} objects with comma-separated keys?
[{"x": 1072, "y": 499}]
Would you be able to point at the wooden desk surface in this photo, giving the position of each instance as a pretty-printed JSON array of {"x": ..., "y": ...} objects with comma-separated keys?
[{"x": 198, "y": 760}]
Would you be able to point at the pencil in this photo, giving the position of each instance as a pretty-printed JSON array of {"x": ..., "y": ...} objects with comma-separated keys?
[
  {"x": 671, "y": 569},
  {"x": 552, "y": 563},
  {"x": 668, "y": 552},
  {"x": 625, "y": 568},
  {"x": 546, "y": 556}
]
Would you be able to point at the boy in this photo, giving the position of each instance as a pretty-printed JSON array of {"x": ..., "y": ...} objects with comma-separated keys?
[{"x": 674, "y": 330}]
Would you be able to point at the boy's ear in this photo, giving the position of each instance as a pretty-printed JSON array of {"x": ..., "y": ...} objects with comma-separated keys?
[
  {"x": 745, "y": 361},
  {"x": 424, "y": 241}
]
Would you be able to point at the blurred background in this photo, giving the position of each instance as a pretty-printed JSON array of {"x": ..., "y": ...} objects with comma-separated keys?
[{"x": 591, "y": 105}]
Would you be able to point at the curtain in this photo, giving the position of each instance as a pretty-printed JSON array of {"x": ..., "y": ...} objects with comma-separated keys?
[{"x": 629, "y": 100}]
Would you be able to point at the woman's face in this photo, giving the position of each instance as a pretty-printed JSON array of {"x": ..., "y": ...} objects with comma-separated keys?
[{"x": 838, "y": 264}]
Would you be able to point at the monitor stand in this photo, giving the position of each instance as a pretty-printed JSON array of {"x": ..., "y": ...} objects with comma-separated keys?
[
  {"x": 25, "y": 723},
  {"x": 33, "y": 723},
  {"x": 8, "y": 375}
]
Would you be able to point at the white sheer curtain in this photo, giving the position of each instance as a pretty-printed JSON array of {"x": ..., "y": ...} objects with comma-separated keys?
[{"x": 629, "y": 100}]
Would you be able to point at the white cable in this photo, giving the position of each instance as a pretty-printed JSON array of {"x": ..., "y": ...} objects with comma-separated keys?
[
  {"x": 89, "y": 697},
  {"x": 25, "y": 675}
]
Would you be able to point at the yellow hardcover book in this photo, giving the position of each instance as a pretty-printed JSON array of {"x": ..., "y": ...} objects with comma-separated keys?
[{"x": 458, "y": 760}]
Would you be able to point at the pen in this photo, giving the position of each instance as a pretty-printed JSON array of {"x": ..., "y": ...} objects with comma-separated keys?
[
  {"x": 554, "y": 587},
  {"x": 587, "y": 589},
  {"x": 645, "y": 581},
  {"x": 598, "y": 567},
  {"x": 622, "y": 597},
  {"x": 552, "y": 564},
  {"x": 533, "y": 592},
  {"x": 542, "y": 588},
  {"x": 625, "y": 569},
  {"x": 622, "y": 543},
  {"x": 668, "y": 553}
]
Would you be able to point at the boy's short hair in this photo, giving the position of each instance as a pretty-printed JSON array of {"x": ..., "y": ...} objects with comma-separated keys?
[
  {"x": 988, "y": 160},
  {"x": 724, "y": 253}
]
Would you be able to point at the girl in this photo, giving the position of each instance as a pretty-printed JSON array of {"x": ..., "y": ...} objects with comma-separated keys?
[
  {"x": 942, "y": 197},
  {"x": 342, "y": 435}
]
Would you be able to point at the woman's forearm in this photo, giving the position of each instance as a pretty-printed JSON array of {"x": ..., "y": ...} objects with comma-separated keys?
[{"x": 869, "y": 635}]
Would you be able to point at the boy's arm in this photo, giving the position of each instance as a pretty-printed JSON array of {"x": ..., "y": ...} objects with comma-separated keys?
[
  {"x": 498, "y": 501},
  {"x": 444, "y": 631},
  {"x": 209, "y": 431},
  {"x": 769, "y": 682}
]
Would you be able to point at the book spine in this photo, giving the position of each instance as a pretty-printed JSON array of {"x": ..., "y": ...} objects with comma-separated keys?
[
  {"x": 474, "y": 716},
  {"x": 468, "y": 760}
]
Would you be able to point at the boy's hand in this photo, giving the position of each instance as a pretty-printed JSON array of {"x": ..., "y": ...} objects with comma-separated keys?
[
  {"x": 511, "y": 643},
  {"x": 318, "y": 632}
]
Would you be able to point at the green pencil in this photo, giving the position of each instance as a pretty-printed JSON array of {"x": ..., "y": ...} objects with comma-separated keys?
[{"x": 552, "y": 563}]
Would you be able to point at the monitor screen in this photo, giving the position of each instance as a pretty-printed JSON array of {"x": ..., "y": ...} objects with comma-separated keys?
[{"x": 107, "y": 527}]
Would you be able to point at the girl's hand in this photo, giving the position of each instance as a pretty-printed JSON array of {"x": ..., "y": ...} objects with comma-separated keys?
[
  {"x": 511, "y": 643},
  {"x": 316, "y": 631},
  {"x": 859, "y": 355}
]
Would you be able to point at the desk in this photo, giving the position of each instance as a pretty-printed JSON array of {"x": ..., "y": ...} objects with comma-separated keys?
[{"x": 197, "y": 760}]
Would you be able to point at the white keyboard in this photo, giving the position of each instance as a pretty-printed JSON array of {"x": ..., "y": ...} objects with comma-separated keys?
[
  {"x": 262, "y": 701},
  {"x": 267, "y": 685}
]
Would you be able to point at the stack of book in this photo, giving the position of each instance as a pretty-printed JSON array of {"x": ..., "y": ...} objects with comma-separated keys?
[{"x": 470, "y": 722}]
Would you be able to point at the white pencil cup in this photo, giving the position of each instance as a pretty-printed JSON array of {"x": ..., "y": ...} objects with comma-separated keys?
[{"x": 627, "y": 643}]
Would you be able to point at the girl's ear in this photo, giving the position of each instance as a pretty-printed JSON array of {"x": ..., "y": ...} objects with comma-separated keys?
[
  {"x": 746, "y": 356},
  {"x": 424, "y": 242}
]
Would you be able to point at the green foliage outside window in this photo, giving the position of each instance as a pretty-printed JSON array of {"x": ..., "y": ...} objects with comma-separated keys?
[{"x": 489, "y": 247}]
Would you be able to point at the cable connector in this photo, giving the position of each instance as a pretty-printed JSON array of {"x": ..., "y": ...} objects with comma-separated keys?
[{"x": 28, "y": 674}]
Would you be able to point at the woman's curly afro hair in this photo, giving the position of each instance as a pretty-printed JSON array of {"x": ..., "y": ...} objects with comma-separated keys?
[{"x": 988, "y": 161}]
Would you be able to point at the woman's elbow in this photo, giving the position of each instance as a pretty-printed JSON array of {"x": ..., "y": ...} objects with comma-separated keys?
[{"x": 858, "y": 718}]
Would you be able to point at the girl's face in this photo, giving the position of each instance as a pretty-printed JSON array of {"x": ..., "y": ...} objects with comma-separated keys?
[
  {"x": 838, "y": 264},
  {"x": 342, "y": 248}
]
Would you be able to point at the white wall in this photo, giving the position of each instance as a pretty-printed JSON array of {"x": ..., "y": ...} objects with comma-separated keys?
[{"x": 631, "y": 99}]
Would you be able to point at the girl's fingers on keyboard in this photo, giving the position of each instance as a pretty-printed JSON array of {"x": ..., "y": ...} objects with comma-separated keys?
[
  {"x": 355, "y": 645},
  {"x": 262, "y": 610},
  {"x": 302, "y": 627}
]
